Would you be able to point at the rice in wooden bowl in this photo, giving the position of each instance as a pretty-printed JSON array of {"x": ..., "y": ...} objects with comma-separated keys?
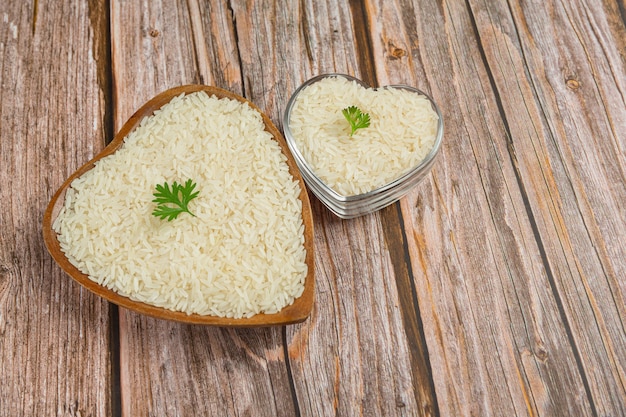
[{"x": 243, "y": 254}]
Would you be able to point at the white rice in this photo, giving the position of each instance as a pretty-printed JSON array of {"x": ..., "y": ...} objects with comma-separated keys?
[
  {"x": 402, "y": 132},
  {"x": 241, "y": 255}
]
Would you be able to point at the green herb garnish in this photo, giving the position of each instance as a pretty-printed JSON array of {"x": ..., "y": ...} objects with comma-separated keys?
[
  {"x": 169, "y": 204},
  {"x": 356, "y": 118}
]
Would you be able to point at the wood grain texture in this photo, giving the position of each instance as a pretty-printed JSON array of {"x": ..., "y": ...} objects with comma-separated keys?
[
  {"x": 569, "y": 140},
  {"x": 394, "y": 231},
  {"x": 168, "y": 368},
  {"x": 496, "y": 287},
  {"x": 503, "y": 295},
  {"x": 352, "y": 357},
  {"x": 480, "y": 287},
  {"x": 54, "y": 336},
  {"x": 368, "y": 369}
]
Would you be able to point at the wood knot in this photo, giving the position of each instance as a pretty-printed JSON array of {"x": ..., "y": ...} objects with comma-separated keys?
[
  {"x": 541, "y": 354},
  {"x": 154, "y": 32},
  {"x": 572, "y": 83},
  {"x": 398, "y": 53},
  {"x": 395, "y": 52}
]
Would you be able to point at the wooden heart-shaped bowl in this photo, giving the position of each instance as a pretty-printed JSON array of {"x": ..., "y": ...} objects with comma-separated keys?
[{"x": 298, "y": 311}]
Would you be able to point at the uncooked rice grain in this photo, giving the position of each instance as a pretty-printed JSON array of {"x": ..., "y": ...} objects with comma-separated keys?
[
  {"x": 242, "y": 254},
  {"x": 402, "y": 132}
]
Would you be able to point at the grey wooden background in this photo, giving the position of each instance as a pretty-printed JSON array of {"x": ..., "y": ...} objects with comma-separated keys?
[{"x": 495, "y": 288}]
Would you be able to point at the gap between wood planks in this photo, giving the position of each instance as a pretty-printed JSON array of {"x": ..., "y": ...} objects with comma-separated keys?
[
  {"x": 395, "y": 239},
  {"x": 100, "y": 22}
]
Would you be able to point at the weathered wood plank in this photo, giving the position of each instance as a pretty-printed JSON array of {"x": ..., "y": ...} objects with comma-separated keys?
[
  {"x": 54, "y": 336},
  {"x": 169, "y": 368},
  {"x": 508, "y": 329},
  {"x": 395, "y": 238},
  {"x": 516, "y": 240},
  {"x": 567, "y": 118},
  {"x": 354, "y": 346},
  {"x": 352, "y": 357},
  {"x": 181, "y": 370}
]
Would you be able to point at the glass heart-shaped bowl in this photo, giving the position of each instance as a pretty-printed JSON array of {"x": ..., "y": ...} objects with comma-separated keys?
[{"x": 351, "y": 206}]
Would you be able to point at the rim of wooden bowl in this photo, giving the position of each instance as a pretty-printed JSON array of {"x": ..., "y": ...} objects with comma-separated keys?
[{"x": 297, "y": 312}]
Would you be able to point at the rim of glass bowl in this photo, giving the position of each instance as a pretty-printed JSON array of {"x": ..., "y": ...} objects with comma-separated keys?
[
  {"x": 342, "y": 202},
  {"x": 362, "y": 207}
]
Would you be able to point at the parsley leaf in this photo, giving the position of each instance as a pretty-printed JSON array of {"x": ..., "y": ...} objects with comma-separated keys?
[
  {"x": 169, "y": 202},
  {"x": 356, "y": 118}
]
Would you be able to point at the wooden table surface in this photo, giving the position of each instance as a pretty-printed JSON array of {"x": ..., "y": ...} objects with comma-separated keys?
[{"x": 497, "y": 287}]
